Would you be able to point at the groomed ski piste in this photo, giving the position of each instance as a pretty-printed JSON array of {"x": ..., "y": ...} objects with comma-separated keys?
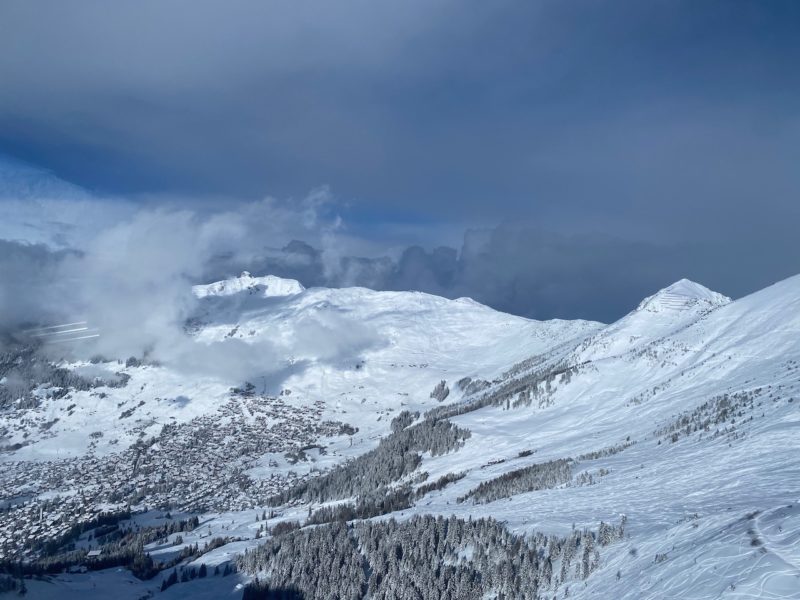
[{"x": 680, "y": 421}]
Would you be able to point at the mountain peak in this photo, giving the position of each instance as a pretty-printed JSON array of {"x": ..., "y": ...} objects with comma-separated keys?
[
  {"x": 266, "y": 286},
  {"x": 683, "y": 294}
]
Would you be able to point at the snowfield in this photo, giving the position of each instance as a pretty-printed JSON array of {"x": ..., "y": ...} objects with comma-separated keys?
[{"x": 680, "y": 421}]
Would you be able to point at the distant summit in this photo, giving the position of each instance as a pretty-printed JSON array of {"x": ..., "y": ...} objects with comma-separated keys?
[
  {"x": 266, "y": 286},
  {"x": 681, "y": 295},
  {"x": 665, "y": 312}
]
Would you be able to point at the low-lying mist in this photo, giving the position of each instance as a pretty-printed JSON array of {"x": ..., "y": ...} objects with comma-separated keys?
[{"x": 129, "y": 289}]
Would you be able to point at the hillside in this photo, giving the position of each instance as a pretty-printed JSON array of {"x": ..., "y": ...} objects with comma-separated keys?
[{"x": 654, "y": 457}]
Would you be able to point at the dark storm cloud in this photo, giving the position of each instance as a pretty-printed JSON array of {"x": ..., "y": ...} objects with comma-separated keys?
[
  {"x": 437, "y": 106},
  {"x": 631, "y": 143},
  {"x": 239, "y": 97}
]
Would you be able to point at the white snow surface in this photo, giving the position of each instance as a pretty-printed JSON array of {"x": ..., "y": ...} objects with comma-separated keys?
[
  {"x": 720, "y": 508},
  {"x": 265, "y": 287},
  {"x": 683, "y": 294}
]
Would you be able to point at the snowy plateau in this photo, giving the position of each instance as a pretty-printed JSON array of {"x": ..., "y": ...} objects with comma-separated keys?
[{"x": 422, "y": 448}]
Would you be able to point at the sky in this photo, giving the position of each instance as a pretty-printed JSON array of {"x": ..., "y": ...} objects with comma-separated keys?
[{"x": 548, "y": 158}]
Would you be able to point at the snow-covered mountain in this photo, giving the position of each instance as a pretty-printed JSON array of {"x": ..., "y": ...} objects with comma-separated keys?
[
  {"x": 657, "y": 316},
  {"x": 264, "y": 287},
  {"x": 677, "y": 426}
]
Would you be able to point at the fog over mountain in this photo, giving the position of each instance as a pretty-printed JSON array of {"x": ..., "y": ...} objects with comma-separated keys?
[
  {"x": 399, "y": 300},
  {"x": 574, "y": 138},
  {"x": 54, "y": 229}
]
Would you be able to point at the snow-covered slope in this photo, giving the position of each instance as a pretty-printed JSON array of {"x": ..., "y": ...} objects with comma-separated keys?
[
  {"x": 360, "y": 354},
  {"x": 668, "y": 310},
  {"x": 711, "y": 398},
  {"x": 448, "y": 338},
  {"x": 682, "y": 295},
  {"x": 683, "y": 416}
]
